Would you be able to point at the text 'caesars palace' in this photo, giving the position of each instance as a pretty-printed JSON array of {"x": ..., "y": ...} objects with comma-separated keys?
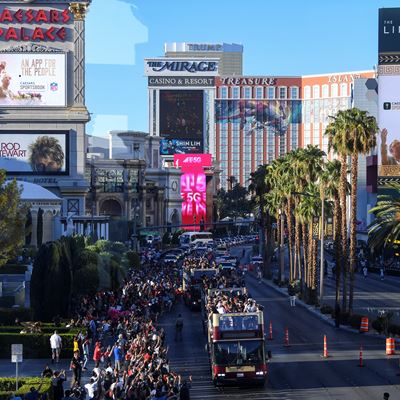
[{"x": 201, "y": 102}]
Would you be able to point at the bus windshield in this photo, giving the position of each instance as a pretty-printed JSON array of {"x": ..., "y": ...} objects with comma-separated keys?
[{"x": 239, "y": 353}]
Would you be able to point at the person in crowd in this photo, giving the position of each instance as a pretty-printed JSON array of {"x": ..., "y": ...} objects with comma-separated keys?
[
  {"x": 55, "y": 344},
  {"x": 76, "y": 368},
  {"x": 57, "y": 382},
  {"x": 47, "y": 372},
  {"x": 178, "y": 328}
]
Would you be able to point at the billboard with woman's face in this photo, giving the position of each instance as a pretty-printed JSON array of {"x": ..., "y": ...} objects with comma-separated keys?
[{"x": 36, "y": 153}]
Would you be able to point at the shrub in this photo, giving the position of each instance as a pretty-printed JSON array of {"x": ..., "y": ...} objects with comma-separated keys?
[
  {"x": 327, "y": 309},
  {"x": 9, "y": 315},
  {"x": 7, "y": 387},
  {"x": 34, "y": 345},
  {"x": 355, "y": 321},
  {"x": 394, "y": 329},
  {"x": 133, "y": 259}
]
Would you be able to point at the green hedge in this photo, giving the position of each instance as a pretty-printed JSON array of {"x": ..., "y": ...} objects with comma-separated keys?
[
  {"x": 45, "y": 329},
  {"x": 8, "y": 315},
  {"x": 7, "y": 387},
  {"x": 18, "y": 269},
  {"x": 35, "y": 346}
]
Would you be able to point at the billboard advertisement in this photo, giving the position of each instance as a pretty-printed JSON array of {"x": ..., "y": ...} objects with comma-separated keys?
[
  {"x": 181, "y": 121},
  {"x": 193, "y": 188},
  {"x": 389, "y": 30},
  {"x": 32, "y": 80},
  {"x": 34, "y": 153},
  {"x": 259, "y": 114},
  {"x": 389, "y": 124}
]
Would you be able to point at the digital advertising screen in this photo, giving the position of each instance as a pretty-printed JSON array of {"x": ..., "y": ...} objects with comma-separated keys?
[
  {"x": 181, "y": 121},
  {"x": 389, "y": 125},
  {"x": 32, "y": 80},
  {"x": 36, "y": 153}
]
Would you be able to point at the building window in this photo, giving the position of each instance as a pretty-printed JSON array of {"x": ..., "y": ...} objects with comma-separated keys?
[
  {"x": 282, "y": 92},
  {"x": 73, "y": 206},
  {"x": 236, "y": 92},
  {"x": 259, "y": 92},
  {"x": 223, "y": 92},
  {"x": 307, "y": 92},
  {"x": 343, "y": 90},
  {"x": 271, "y": 92},
  {"x": 316, "y": 91},
  {"x": 247, "y": 92},
  {"x": 334, "y": 90},
  {"x": 294, "y": 93},
  {"x": 325, "y": 91}
]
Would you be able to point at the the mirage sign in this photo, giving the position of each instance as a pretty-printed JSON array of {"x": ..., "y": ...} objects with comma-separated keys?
[{"x": 179, "y": 67}]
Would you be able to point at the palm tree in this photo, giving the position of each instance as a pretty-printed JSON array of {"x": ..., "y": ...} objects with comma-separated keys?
[
  {"x": 363, "y": 134},
  {"x": 385, "y": 229},
  {"x": 259, "y": 187},
  {"x": 330, "y": 178},
  {"x": 351, "y": 133}
]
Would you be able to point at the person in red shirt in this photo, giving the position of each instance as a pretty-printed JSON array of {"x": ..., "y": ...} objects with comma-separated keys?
[{"x": 97, "y": 354}]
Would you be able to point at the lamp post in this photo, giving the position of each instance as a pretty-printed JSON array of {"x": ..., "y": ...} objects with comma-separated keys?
[
  {"x": 281, "y": 249},
  {"x": 134, "y": 228}
]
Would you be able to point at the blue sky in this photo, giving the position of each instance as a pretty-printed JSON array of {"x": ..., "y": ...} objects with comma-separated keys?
[{"x": 285, "y": 37}]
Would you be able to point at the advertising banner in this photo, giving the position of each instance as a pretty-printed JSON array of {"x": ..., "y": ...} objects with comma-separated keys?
[
  {"x": 32, "y": 80},
  {"x": 34, "y": 153},
  {"x": 181, "y": 121},
  {"x": 259, "y": 114},
  {"x": 389, "y": 124},
  {"x": 193, "y": 187},
  {"x": 179, "y": 67},
  {"x": 389, "y": 30}
]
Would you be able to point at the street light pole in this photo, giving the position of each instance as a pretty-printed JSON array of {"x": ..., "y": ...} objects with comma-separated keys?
[
  {"x": 281, "y": 253},
  {"x": 322, "y": 257}
]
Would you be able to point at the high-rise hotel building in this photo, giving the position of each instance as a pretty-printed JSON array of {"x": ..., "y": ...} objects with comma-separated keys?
[{"x": 260, "y": 118}]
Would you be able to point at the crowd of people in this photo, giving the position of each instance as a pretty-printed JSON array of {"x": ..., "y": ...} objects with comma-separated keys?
[{"x": 120, "y": 334}]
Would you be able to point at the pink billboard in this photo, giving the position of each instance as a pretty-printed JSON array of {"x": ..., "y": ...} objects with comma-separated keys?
[{"x": 193, "y": 188}]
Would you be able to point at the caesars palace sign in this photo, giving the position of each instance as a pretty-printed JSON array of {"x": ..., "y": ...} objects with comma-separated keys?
[{"x": 27, "y": 23}]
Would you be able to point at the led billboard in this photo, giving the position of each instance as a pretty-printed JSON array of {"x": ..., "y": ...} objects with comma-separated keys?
[
  {"x": 34, "y": 153},
  {"x": 389, "y": 123},
  {"x": 389, "y": 30},
  {"x": 181, "y": 121},
  {"x": 32, "y": 80},
  {"x": 193, "y": 188}
]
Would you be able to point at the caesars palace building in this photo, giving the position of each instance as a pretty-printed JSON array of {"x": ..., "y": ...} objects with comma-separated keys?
[{"x": 42, "y": 99}]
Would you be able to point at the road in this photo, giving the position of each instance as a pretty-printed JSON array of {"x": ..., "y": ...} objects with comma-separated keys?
[
  {"x": 298, "y": 371},
  {"x": 371, "y": 294}
]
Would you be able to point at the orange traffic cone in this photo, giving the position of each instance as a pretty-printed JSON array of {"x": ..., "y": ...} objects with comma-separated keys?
[
  {"x": 270, "y": 331},
  {"x": 286, "y": 344},
  {"x": 361, "y": 357},
  {"x": 325, "y": 348}
]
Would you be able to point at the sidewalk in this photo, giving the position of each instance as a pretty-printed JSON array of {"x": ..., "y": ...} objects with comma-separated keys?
[{"x": 314, "y": 310}]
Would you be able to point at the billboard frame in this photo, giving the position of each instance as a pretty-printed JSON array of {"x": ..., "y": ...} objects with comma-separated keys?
[{"x": 66, "y": 132}]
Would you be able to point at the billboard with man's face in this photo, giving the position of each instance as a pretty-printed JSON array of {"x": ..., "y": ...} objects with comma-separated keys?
[
  {"x": 32, "y": 80},
  {"x": 181, "y": 121},
  {"x": 36, "y": 153},
  {"x": 389, "y": 124}
]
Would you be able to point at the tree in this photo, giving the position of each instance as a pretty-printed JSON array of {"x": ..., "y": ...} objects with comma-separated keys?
[
  {"x": 385, "y": 229},
  {"x": 12, "y": 219},
  {"x": 351, "y": 133}
]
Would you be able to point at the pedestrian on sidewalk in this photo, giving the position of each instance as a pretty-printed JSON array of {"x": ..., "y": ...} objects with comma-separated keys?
[
  {"x": 259, "y": 274},
  {"x": 365, "y": 271},
  {"x": 178, "y": 328},
  {"x": 386, "y": 396},
  {"x": 382, "y": 274},
  {"x": 76, "y": 368},
  {"x": 55, "y": 344},
  {"x": 337, "y": 315},
  {"x": 292, "y": 301}
]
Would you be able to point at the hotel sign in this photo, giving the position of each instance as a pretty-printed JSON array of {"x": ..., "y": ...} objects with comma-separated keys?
[
  {"x": 180, "y": 81},
  {"x": 177, "y": 67}
]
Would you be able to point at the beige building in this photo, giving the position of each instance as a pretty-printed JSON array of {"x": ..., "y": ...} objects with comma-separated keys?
[{"x": 230, "y": 56}]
